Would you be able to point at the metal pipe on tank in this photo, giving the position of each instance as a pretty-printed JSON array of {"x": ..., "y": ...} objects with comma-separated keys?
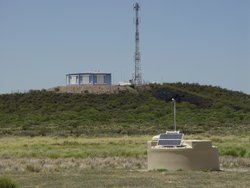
[{"x": 174, "y": 114}]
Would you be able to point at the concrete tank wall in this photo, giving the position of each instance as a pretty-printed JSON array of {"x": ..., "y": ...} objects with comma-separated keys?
[{"x": 194, "y": 155}]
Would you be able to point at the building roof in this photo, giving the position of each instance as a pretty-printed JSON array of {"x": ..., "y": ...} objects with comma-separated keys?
[{"x": 92, "y": 72}]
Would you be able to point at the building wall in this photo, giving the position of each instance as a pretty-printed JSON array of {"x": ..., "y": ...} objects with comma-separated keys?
[{"x": 88, "y": 79}]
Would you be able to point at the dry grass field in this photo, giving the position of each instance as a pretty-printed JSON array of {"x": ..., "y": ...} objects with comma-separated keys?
[
  {"x": 113, "y": 162},
  {"x": 132, "y": 178}
]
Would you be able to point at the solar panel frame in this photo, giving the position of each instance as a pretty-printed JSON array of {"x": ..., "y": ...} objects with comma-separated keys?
[
  {"x": 170, "y": 139},
  {"x": 171, "y": 136}
]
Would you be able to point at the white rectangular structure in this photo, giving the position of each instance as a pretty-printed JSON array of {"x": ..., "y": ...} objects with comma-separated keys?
[
  {"x": 88, "y": 78},
  {"x": 85, "y": 79},
  {"x": 73, "y": 79},
  {"x": 100, "y": 79}
]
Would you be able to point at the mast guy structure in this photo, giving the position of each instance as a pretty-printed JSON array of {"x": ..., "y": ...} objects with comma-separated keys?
[{"x": 137, "y": 77}]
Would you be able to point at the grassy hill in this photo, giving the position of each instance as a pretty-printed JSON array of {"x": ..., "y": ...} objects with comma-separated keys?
[{"x": 142, "y": 110}]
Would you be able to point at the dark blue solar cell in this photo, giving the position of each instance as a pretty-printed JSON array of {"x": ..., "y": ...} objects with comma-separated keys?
[{"x": 169, "y": 142}]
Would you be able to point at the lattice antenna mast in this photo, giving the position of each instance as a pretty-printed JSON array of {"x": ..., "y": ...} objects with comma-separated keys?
[{"x": 137, "y": 79}]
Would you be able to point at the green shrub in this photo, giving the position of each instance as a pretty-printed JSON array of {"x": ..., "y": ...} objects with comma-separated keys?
[
  {"x": 242, "y": 152},
  {"x": 200, "y": 109},
  {"x": 57, "y": 89},
  {"x": 6, "y": 182},
  {"x": 231, "y": 151},
  {"x": 234, "y": 151}
]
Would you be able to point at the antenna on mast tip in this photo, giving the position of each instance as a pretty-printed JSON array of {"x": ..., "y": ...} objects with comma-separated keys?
[{"x": 136, "y": 6}]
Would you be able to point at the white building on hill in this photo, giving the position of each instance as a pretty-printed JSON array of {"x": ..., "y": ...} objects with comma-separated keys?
[{"x": 89, "y": 78}]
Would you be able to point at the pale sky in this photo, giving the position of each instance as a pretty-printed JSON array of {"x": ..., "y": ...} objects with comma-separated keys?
[{"x": 195, "y": 41}]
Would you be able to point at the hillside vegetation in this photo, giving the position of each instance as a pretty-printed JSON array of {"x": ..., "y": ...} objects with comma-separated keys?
[{"x": 143, "y": 110}]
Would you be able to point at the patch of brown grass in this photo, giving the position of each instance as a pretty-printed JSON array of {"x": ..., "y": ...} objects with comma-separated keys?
[
  {"x": 36, "y": 165},
  {"x": 69, "y": 164},
  {"x": 235, "y": 163}
]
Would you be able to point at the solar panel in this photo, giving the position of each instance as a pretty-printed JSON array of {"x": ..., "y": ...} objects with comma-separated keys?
[
  {"x": 169, "y": 142},
  {"x": 170, "y": 139},
  {"x": 170, "y": 135}
]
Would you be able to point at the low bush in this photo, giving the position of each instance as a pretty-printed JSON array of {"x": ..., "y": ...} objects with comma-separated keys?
[
  {"x": 6, "y": 182},
  {"x": 234, "y": 151}
]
